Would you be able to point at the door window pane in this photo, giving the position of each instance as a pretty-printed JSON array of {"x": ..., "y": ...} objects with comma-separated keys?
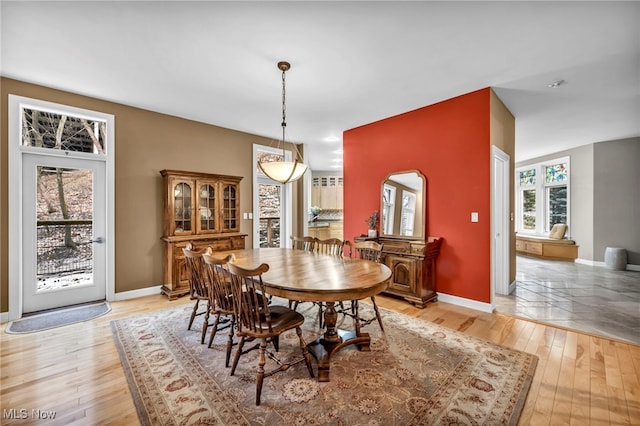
[
  {"x": 64, "y": 228},
  {"x": 270, "y": 207}
]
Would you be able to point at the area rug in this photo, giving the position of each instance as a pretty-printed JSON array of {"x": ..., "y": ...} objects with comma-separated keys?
[
  {"x": 57, "y": 318},
  {"x": 417, "y": 373}
]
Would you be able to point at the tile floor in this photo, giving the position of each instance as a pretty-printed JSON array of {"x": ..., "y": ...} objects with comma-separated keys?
[{"x": 593, "y": 299}]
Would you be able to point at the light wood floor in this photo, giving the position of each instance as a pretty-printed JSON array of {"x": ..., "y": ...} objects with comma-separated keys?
[{"x": 75, "y": 370}]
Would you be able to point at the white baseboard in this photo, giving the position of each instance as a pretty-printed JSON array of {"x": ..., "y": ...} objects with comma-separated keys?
[
  {"x": 132, "y": 294},
  {"x": 590, "y": 262},
  {"x": 467, "y": 303},
  {"x": 4, "y": 317},
  {"x": 630, "y": 267}
]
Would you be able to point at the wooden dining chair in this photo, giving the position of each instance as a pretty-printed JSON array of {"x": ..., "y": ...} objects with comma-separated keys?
[
  {"x": 331, "y": 247},
  {"x": 255, "y": 319},
  {"x": 220, "y": 298},
  {"x": 198, "y": 288},
  {"x": 306, "y": 244},
  {"x": 303, "y": 243},
  {"x": 367, "y": 250}
]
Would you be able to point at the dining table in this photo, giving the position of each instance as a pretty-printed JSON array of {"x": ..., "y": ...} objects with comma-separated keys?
[{"x": 313, "y": 277}]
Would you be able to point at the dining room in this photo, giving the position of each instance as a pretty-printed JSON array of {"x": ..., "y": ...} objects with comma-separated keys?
[{"x": 431, "y": 350}]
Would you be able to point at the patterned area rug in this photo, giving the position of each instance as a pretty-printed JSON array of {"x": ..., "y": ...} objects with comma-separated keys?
[
  {"x": 417, "y": 373},
  {"x": 57, "y": 318}
]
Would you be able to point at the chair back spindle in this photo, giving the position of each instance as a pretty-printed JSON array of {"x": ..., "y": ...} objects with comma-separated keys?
[{"x": 331, "y": 246}]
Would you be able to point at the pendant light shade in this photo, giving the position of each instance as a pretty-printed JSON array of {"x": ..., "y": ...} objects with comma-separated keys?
[{"x": 284, "y": 171}]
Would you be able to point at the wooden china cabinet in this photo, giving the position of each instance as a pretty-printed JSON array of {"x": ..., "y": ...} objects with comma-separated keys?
[{"x": 202, "y": 209}]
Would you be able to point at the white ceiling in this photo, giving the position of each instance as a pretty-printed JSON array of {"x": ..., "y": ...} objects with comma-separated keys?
[{"x": 352, "y": 63}]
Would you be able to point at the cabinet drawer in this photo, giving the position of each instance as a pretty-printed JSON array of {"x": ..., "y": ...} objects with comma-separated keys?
[{"x": 533, "y": 248}]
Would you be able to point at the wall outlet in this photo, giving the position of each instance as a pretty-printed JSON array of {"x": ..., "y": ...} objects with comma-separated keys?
[{"x": 474, "y": 216}]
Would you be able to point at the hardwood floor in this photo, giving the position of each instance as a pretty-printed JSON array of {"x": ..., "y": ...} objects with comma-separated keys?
[{"x": 75, "y": 371}]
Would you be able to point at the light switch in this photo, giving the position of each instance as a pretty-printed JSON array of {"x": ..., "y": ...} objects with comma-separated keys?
[
  {"x": 245, "y": 215},
  {"x": 474, "y": 216},
  {"x": 250, "y": 215}
]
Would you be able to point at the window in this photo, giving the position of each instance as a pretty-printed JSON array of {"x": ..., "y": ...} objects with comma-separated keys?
[
  {"x": 542, "y": 202},
  {"x": 61, "y": 131}
]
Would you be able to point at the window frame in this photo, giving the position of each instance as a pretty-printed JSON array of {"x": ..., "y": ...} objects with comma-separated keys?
[{"x": 541, "y": 188}]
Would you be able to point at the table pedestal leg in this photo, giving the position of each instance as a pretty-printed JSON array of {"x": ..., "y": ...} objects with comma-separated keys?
[{"x": 332, "y": 341}]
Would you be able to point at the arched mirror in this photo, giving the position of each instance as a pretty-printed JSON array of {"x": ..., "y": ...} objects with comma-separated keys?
[{"x": 403, "y": 205}]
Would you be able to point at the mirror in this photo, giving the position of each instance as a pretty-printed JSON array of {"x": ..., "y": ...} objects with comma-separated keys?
[{"x": 403, "y": 205}]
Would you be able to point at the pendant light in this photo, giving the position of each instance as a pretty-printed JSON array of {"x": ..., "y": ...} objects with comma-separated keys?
[{"x": 281, "y": 170}]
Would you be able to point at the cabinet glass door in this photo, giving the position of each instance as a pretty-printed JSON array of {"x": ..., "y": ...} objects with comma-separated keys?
[
  {"x": 230, "y": 207},
  {"x": 206, "y": 207},
  {"x": 182, "y": 203}
]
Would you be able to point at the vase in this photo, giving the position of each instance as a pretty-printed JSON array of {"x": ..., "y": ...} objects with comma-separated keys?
[{"x": 372, "y": 233}]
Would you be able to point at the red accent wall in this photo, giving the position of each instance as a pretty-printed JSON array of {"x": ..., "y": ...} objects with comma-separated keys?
[{"x": 448, "y": 142}]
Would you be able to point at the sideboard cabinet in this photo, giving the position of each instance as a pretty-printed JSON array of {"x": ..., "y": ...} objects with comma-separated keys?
[
  {"x": 413, "y": 266},
  {"x": 202, "y": 209}
]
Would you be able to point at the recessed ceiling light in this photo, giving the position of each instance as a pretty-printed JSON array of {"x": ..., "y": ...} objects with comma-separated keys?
[
  {"x": 332, "y": 139},
  {"x": 557, "y": 84},
  {"x": 337, "y": 160},
  {"x": 337, "y": 151}
]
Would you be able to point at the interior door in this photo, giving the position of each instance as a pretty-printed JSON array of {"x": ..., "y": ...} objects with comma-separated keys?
[
  {"x": 63, "y": 232},
  {"x": 500, "y": 222}
]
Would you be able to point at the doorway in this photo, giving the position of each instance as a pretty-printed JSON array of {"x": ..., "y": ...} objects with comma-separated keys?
[
  {"x": 63, "y": 232},
  {"x": 272, "y": 212},
  {"x": 61, "y": 206}
]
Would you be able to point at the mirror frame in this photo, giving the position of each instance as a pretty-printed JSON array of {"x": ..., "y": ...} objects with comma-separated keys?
[{"x": 423, "y": 234}]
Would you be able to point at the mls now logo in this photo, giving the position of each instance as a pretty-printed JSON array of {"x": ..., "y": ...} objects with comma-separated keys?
[{"x": 23, "y": 413}]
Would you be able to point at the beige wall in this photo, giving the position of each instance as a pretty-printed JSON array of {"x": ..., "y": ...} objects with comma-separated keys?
[
  {"x": 146, "y": 142},
  {"x": 503, "y": 136}
]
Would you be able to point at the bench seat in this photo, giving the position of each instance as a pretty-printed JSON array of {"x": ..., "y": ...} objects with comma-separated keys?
[{"x": 546, "y": 248}]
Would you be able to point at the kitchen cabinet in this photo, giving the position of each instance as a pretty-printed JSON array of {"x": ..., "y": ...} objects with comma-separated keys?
[{"x": 326, "y": 192}]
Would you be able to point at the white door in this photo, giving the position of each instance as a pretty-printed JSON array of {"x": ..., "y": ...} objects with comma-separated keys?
[
  {"x": 500, "y": 222},
  {"x": 63, "y": 233}
]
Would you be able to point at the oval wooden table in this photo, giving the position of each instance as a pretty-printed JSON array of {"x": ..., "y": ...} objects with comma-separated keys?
[{"x": 313, "y": 277}]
